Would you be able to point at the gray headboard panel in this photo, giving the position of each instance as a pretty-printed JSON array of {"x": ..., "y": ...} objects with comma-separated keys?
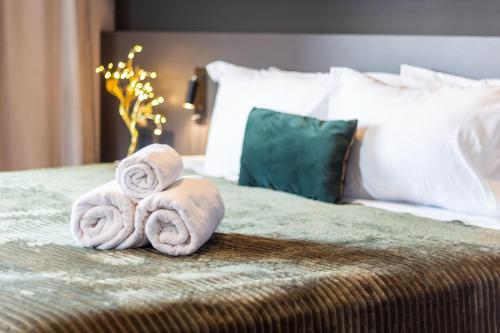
[{"x": 174, "y": 55}]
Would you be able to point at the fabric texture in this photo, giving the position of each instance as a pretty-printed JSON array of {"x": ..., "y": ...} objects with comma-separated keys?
[
  {"x": 49, "y": 90},
  {"x": 149, "y": 170},
  {"x": 179, "y": 220},
  {"x": 435, "y": 147},
  {"x": 279, "y": 262},
  {"x": 312, "y": 164},
  {"x": 103, "y": 218}
]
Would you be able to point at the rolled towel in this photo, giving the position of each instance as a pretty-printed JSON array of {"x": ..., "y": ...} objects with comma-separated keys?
[
  {"x": 103, "y": 218},
  {"x": 179, "y": 220},
  {"x": 149, "y": 170}
]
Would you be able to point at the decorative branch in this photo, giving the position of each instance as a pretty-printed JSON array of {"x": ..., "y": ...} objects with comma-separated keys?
[{"x": 135, "y": 95}]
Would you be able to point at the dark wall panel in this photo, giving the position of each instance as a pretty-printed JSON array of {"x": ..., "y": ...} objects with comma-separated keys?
[{"x": 438, "y": 17}]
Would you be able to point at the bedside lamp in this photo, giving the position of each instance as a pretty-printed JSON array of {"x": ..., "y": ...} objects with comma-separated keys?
[{"x": 196, "y": 95}]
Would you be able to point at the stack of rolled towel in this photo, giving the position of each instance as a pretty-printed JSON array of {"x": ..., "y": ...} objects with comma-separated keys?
[{"x": 148, "y": 203}]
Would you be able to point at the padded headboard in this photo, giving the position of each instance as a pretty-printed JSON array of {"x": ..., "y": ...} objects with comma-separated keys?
[{"x": 174, "y": 55}]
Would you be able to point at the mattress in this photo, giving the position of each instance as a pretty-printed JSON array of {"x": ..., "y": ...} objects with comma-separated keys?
[{"x": 278, "y": 262}]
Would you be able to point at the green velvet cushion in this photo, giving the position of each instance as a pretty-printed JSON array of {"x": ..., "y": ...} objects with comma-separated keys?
[{"x": 296, "y": 154}]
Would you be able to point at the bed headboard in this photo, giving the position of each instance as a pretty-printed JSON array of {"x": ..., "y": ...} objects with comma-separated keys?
[{"x": 174, "y": 55}]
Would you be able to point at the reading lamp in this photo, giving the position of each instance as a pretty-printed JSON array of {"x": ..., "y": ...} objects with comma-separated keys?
[{"x": 196, "y": 95}]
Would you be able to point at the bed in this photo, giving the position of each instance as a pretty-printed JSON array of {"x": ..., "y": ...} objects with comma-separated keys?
[{"x": 278, "y": 262}]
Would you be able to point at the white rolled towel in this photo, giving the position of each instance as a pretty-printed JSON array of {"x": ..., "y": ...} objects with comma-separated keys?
[
  {"x": 179, "y": 220},
  {"x": 149, "y": 170},
  {"x": 103, "y": 218}
]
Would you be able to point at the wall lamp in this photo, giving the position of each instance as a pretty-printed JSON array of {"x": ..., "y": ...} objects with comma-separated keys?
[{"x": 196, "y": 98}]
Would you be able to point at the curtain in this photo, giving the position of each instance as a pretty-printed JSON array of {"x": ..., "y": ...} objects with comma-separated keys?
[{"x": 49, "y": 92}]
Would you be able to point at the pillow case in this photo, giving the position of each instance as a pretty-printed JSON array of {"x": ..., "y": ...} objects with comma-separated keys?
[
  {"x": 296, "y": 154},
  {"x": 437, "y": 147},
  {"x": 239, "y": 90},
  {"x": 418, "y": 77}
]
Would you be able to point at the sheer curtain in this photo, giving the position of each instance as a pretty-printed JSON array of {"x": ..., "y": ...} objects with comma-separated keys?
[{"x": 49, "y": 92}]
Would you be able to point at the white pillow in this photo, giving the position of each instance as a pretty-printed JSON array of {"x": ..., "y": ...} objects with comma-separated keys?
[
  {"x": 418, "y": 77},
  {"x": 240, "y": 89},
  {"x": 437, "y": 147}
]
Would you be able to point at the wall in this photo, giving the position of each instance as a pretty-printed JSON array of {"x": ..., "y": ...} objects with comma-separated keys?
[{"x": 435, "y": 17}]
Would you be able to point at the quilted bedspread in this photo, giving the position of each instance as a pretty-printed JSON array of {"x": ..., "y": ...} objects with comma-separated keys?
[{"x": 278, "y": 263}]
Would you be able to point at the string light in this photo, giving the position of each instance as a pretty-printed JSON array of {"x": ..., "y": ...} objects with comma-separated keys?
[{"x": 136, "y": 98}]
